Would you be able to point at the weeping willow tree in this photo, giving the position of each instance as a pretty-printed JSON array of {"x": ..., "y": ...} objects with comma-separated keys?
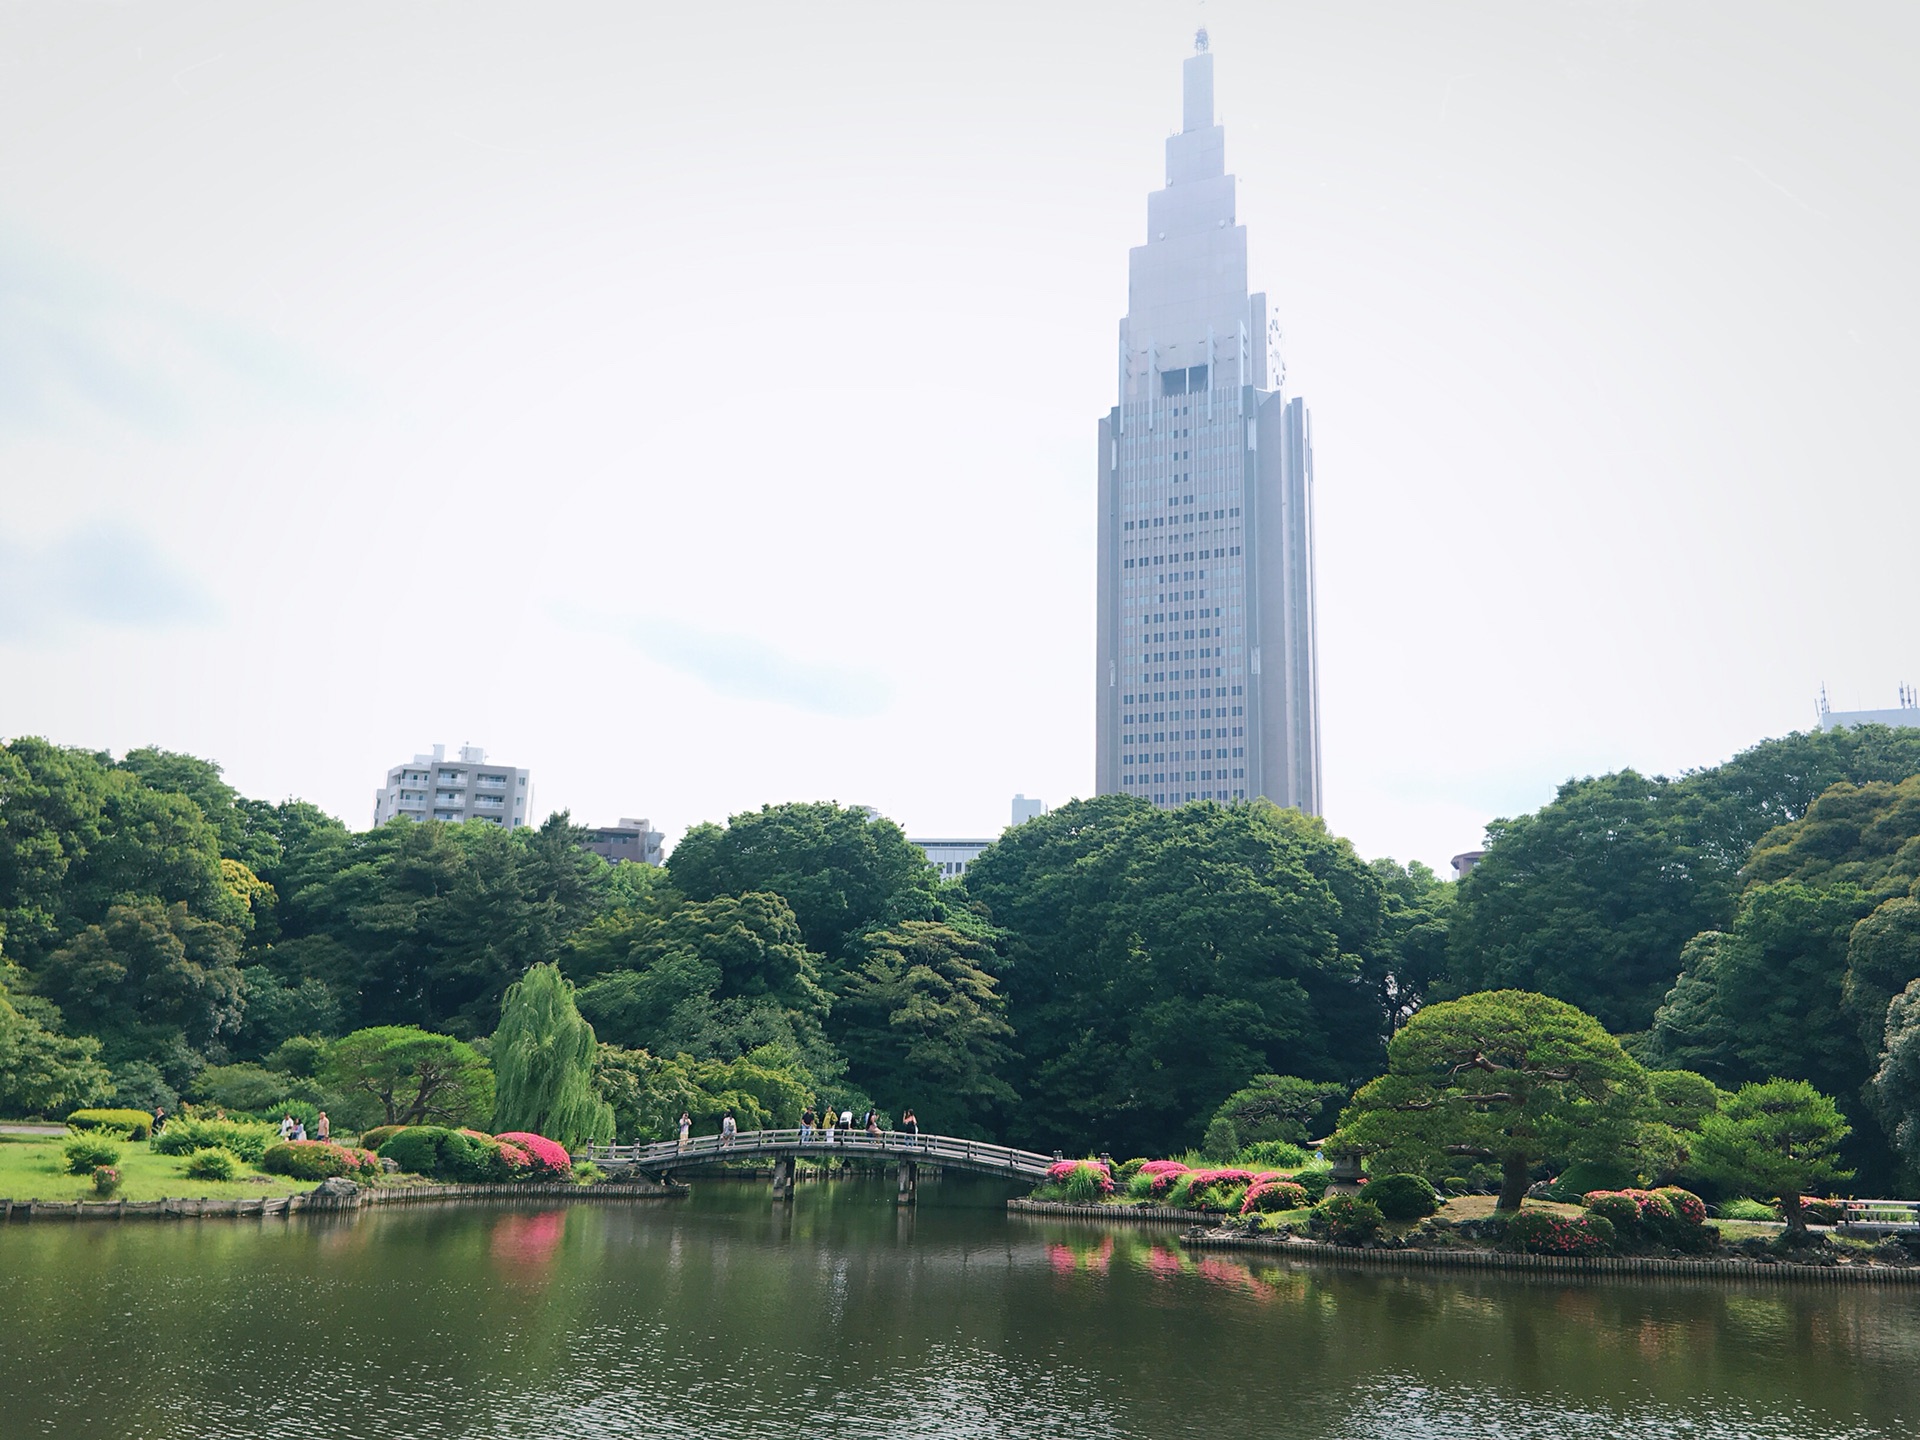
[{"x": 543, "y": 1063}]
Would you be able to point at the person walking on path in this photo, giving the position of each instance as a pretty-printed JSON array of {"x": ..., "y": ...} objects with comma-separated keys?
[
  {"x": 727, "y": 1131},
  {"x": 286, "y": 1127},
  {"x": 159, "y": 1118},
  {"x": 686, "y": 1128},
  {"x": 300, "y": 1130},
  {"x": 324, "y": 1128}
]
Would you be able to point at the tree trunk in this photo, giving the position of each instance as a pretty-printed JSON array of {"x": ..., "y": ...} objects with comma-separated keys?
[
  {"x": 1515, "y": 1174},
  {"x": 1796, "y": 1217}
]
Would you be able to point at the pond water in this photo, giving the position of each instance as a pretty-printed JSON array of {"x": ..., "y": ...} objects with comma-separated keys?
[{"x": 725, "y": 1315}]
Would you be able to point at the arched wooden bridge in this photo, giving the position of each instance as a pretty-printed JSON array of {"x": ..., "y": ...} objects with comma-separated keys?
[{"x": 783, "y": 1147}]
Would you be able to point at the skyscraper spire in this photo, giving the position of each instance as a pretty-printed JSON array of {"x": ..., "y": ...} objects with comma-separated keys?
[{"x": 1207, "y": 666}]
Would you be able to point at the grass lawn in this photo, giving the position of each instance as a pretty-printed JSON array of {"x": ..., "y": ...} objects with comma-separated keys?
[{"x": 31, "y": 1168}]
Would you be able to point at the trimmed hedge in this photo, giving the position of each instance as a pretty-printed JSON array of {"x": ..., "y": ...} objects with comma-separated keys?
[
  {"x": 1544, "y": 1232},
  {"x": 464, "y": 1156},
  {"x": 137, "y": 1123},
  {"x": 319, "y": 1160},
  {"x": 1402, "y": 1197},
  {"x": 247, "y": 1139},
  {"x": 373, "y": 1139},
  {"x": 1668, "y": 1216},
  {"x": 1346, "y": 1219},
  {"x": 1265, "y": 1197}
]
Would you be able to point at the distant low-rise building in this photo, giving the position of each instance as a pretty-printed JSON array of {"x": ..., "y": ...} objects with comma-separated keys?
[
  {"x": 1465, "y": 861},
  {"x": 1906, "y": 714},
  {"x": 634, "y": 840},
  {"x": 432, "y": 787},
  {"x": 951, "y": 857},
  {"x": 1025, "y": 809}
]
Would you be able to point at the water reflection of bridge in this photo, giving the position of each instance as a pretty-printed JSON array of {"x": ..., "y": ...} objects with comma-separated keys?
[{"x": 784, "y": 1147}]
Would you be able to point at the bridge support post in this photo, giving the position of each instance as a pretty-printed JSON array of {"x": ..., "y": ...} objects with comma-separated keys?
[
  {"x": 783, "y": 1177},
  {"x": 909, "y": 1182}
]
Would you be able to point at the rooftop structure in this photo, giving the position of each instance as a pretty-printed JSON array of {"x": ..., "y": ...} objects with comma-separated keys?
[
  {"x": 634, "y": 840},
  {"x": 1906, "y": 714}
]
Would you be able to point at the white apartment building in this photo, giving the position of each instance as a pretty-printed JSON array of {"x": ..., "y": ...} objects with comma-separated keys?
[{"x": 432, "y": 787}]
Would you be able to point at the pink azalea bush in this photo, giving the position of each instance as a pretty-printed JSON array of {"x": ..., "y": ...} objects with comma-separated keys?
[
  {"x": 319, "y": 1160},
  {"x": 549, "y": 1157},
  {"x": 1083, "y": 1180},
  {"x": 1216, "y": 1189},
  {"x": 1542, "y": 1232},
  {"x": 1269, "y": 1193}
]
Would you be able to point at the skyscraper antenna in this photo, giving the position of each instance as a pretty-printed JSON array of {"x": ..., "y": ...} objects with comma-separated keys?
[{"x": 1200, "y": 41}]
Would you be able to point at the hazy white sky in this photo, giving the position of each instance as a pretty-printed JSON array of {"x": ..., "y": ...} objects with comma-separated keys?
[{"x": 696, "y": 403}]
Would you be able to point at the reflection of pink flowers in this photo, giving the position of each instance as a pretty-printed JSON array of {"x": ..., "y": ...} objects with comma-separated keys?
[
  {"x": 525, "y": 1245},
  {"x": 549, "y": 1155},
  {"x": 1162, "y": 1261},
  {"x": 1061, "y": 1259}
]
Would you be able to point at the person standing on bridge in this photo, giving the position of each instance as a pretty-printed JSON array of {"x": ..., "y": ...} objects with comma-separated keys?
[
  {"x": 826, "y": 1124},
  {"x": 807, "y": 1119},
  {"x": 909, "y": 1122},
  {"x": 728, "y": 1130},
  {"x": 686, "y": 1128}
]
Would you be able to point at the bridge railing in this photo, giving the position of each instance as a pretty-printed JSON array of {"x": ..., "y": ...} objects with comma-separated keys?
[
  {"x": 1881, "y": 1213},
  {"x": 899, "y": 1143}
]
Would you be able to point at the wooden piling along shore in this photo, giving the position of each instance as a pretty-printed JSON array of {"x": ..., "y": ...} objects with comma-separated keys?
[
  {"x": 1630, "y": 1266},
  {"x": 315, "y": 1203}
]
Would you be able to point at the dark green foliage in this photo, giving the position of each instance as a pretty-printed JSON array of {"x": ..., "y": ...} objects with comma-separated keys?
[
  {"x": 1585, "y": 1176},
  {"x": 1780, "y": 1138},
  {"x": 1346, "y": 1219},
  {"x": 1221, "y": 1142},
  {"x": 1157, "y": 960},
  {"x": 214, "y": 1164},
  {"x": 83, "y": 1152},
  {"x": 455, "y": 1156},
  {"x": 139, "y": 1085},
  {"x": 1895, "y": 1088},
  {"x": 839, "y": 869},
  {"x": 1402, "y": 1197},
  {"x": 415, "y": 1148},
  {"x": 134, "y": 1124},
  {"x": 922, "y": 1020},
  {"x": 1314, "y": 1182},
  {"x": 411, "y": 1075},
  {"x": 1282, "y": 1107}
]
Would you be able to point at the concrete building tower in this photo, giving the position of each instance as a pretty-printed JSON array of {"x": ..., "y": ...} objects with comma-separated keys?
[{"x": 1207, "y": 679}]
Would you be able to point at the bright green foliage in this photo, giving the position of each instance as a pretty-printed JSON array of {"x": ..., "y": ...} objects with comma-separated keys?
[
  {"x": 1402, "y": 1197},
  {"x": 411, "y": 1075},
  {"x": 1158, "y": 959},
  {"x": 1779, "y": 1137},
  {"x": 1863, "y": 835},
  {"x": 134, "y": 1124},
  {"x": 923, "y": 1018},
  {"x": 1896, "y": 1084},
  {"x": 379, "y": 1135},
  {"x": 43, "y": 1072},
  {"x": 246, "y": 1138},
  {"x": 1281, "y": 1107},
  {"x": 1741, "y": 1208},
  {"x": 212, "y": 1164},
  {"x": 458, "y": 1156},
  {"x": 766, "y": 1088},
  {"x": 543, "y": 1064},
  {"x": 1416, "y": 920},
  {"x": 1346, "y": 1219},
  {"x": 1589, "y": 900},
  {"x": 1681, "y": 1099},
  {"x": 242, "y": 1087},
  {"x": 839, "y": 869},
  {"x": 84, "y": 1152},
  {"x": 1270, "y": 1155},
  {"x": 1506, "y": 1076}
]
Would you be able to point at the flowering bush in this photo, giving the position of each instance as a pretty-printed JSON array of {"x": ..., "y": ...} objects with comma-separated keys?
[
  {"x": 1542, "y": 1232},
  {"x": 1267, "y": 1195},
  {"x": 1218, "y": 1190},
  {"x": 106, "y": 1180},
  {"x": 1155, "y": 1178},
  {"x": 319, "y": 1160},
  {"x": 1669, "y": 1216},
  {"x": 1081, "y": 1181},
  {"x": 549, "y": 1157},
  {"x": 1687, "y": 1206},
  {"x": 1346, "y": 1219}
]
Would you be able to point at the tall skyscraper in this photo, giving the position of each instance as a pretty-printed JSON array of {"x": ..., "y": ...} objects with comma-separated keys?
[{"x": 1207, "y": 678}]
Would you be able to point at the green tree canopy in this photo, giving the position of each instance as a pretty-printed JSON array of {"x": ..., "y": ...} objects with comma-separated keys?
[
  {"x": 840, "y": 869},
  {"x": 1279, "y": 1107},
  {"x": 543, "y": 1055},
  {"x": 764, "y": 1089},
  {"x": 1505, "y": 1076},
  {"x": 43, "y": 1072},
  {"x": 1158, "y": 959},
  {"x": 412, "y": 1075},
  {"x": 1774, "y": 1138},
  {"x": 1896, "y": 1083},
  {"x": 924, "y": 1017}
]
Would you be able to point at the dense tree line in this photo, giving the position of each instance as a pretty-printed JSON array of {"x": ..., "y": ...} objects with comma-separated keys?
[{"x": 1107, "y": 977}]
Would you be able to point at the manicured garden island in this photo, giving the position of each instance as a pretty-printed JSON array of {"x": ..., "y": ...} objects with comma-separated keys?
[{"x": 1289, "y": 1202}]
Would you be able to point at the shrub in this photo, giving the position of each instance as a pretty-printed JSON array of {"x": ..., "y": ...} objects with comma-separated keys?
[
  {"x": 136, "y": 1124},
  {"x": 247, "y": 1139},
  {"x": 1315, "y": 1182},
  {"x": 1346, "y": 1219},
  {"x": 1584, "y": 1176},
  {"x": 106, "y": 1180},
  {"x": 1743, "y": 1209},
  {"x": 1128, "y": 1169},
  {"x": 1222, "y": 1141},
  {"x": 373, "y": 1139},
  {"x": 1820, "y": 1212},
  {"x": 85, "y": 1152},
  {"x": 319, "y": 1160},
  {"x": 416, "y": 1148},
  {"x": 1542, "y": 1232},
  {"x": 1272, "y": 1155},
  {"x": 213, "y": 1164},
  {"x": 1688, "y": 1207},
  {"x": 550, "y": 1157},
  {"x": 1264, "y": 1197},
  {"x": 1669, "y": 1216},
  {"x": 1403, "y": 1197},
  {"x": 1457, "y": 1185},
  {"x": 1219, "y": 1191},
  {"x": 465, "y": 1156},
  {"x": 588, "y": 1173}
]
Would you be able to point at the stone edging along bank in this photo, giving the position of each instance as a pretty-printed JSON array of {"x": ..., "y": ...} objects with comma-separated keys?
[
  {"x": 317, "y": 1203},
  {"x": 1643, "y": 1267}
]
